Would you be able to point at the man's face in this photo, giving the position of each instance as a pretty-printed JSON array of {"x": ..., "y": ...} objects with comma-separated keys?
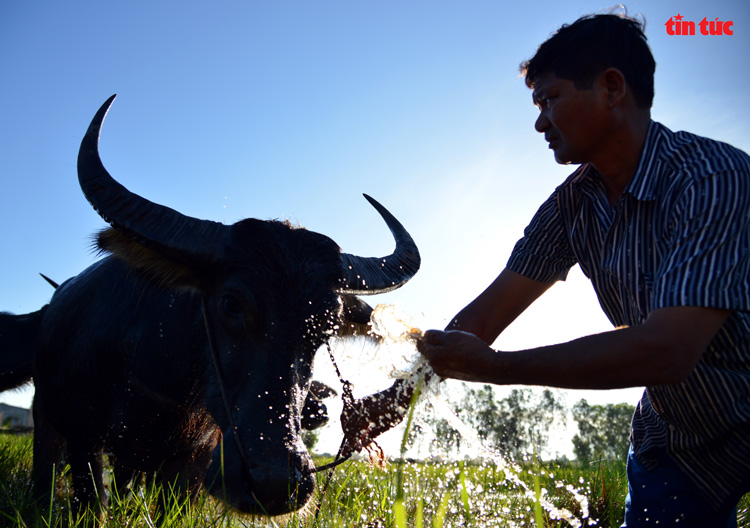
[{"x": 571, "y": 119}]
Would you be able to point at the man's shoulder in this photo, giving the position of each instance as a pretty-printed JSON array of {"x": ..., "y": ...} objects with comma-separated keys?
[
  {"x": 698, "y": 155},
  {"x": 686, "y": 167}
]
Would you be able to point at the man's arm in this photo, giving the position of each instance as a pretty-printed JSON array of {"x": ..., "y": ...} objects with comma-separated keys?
[
  {"x": 498, "y": 306},
  {"x": 663, "y": 350},
  {"x": 488, "y": 315}
]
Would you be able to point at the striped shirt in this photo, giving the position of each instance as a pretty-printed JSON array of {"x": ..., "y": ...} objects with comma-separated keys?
[{"x": 678, "y": 236}]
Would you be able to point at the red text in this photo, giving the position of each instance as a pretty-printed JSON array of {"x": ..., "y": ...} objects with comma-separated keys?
[{"x": 677, "y": 26}]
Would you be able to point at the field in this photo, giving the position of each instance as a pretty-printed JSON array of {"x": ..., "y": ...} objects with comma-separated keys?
[{"x": 404, "y": 494}]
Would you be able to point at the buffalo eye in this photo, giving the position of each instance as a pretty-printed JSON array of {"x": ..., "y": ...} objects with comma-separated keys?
[{"x": 232, "y": 306}]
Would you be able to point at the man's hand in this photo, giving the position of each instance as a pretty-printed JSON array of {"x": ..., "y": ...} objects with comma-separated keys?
[{"x": 456, "y": 354}]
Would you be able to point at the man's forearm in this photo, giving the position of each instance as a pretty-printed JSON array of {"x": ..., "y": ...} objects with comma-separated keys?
[
  {"x": 663, "y": 350},
  {"x": 611, "y": 360}
]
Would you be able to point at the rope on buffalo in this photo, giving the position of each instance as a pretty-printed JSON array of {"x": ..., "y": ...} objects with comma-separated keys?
[
  {"x": 358, "y": 434},
  {"x": 347, "y": 398},
  {"x": 227, "y": 407}
]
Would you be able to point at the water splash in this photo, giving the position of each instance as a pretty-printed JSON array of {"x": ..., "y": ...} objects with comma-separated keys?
[
  {"x": 398, "y": 337},
  {"x": 403, "y": 361}
]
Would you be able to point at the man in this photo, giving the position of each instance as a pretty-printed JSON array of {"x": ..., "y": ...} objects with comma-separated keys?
[{"x": 660, "y": 223}]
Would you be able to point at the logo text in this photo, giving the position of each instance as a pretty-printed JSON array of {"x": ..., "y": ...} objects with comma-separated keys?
[{"x": 677, "y": 26}]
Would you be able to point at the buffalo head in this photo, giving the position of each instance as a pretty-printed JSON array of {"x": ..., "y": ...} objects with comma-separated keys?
[{"x": 267, "y": 296}]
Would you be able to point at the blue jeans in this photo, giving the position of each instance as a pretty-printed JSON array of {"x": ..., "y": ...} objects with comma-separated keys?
[{"x": 666, "y": 496}]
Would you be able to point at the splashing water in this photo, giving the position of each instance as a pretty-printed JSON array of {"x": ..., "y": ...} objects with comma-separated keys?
[
  {"x": 398, "y": 337},
  {"x": 394, "y": 329},
  {"x": 512, "y": 470},
  {"x": 392, "y": 324}
]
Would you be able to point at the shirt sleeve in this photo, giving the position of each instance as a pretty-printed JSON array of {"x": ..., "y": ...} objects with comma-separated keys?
[
  {"x": 708, "y": 245},
  {"x": 544, "y": 253}
]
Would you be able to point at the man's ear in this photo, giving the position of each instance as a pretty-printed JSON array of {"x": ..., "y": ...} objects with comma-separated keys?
[{"x": 612, "y": 81}]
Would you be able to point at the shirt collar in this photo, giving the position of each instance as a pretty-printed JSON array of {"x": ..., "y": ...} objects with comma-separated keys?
[{"x": 643, "y": 184}]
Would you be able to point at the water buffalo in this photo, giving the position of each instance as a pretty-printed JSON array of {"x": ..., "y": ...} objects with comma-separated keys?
[{"x": 188, "y": 350}]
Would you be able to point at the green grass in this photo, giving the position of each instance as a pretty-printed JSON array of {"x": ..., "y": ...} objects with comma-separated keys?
[{"x": 406, "y": 493}]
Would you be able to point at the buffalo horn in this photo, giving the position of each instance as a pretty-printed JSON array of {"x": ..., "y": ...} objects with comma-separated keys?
[
  {"x": 155, "y": 226},
  {"x": 370, "y": 275},
  {"x": 178, "y": 236}
]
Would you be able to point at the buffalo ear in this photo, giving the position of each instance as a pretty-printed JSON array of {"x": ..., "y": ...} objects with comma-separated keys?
[
  {"x": 315, "y": 412},
  {"x": 163, "y": 271},
  {"x": 356, "y": 317},
  {"x": 322, "y": 391}
]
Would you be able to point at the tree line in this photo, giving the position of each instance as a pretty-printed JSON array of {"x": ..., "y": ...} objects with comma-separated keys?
[{"x": 519, "y": 424}]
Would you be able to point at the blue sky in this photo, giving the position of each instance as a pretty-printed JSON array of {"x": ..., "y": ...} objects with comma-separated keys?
[{"x": 293, "y": 109}]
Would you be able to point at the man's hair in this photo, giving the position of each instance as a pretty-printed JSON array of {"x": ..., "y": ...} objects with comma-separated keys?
[{"x": 582, "y": 50}]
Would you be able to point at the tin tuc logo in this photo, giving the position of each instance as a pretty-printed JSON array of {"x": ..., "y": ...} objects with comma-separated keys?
[{"x": 677, "y": 26}]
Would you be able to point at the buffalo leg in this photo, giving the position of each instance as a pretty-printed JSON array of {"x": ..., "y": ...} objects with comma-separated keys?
[
  {"x": 87, "y": 470},
  {"x": 125, "y": 479},
  {"x": 181, "y": 477},
  {"x": 48, "y": 459},
  {"x": 177, "y": 488}
]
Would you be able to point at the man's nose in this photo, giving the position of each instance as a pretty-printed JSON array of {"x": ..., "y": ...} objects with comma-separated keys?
[{"x": 542, "y": 123}]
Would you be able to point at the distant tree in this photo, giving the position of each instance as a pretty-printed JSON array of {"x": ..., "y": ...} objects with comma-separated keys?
[
  {"x": 447, "y": 436},
  {"x": 445, "y": 440},
  {"x": 542, "y": 412},
  {"x": 481, "y": 410},
  {"x": 504, "y": 420},
  {"x": 518, "y": 424},
  {"x": 310, "y": 439},
  {"x": 603, "y": 430}
]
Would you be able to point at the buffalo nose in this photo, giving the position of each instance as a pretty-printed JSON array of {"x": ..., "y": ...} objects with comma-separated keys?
[{"x": 285, "y": 492}]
